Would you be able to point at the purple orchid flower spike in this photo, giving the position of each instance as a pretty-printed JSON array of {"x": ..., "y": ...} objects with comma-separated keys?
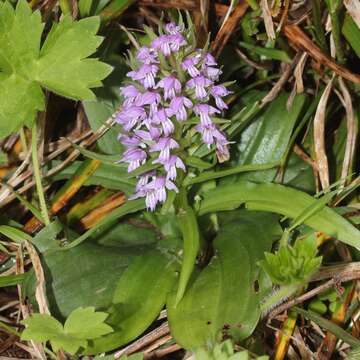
[
  {"x": 171, "y": 83},
  {"x": 189, "y": 65},
  {"x": 210, "y": 134},
  {"x": 171, "y": 166},
  {"x": 130, "y": 93},
  {"x": 155, "y": 191}
]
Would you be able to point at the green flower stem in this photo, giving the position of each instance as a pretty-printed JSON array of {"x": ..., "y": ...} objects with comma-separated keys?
[{"x": 37, "y": 175}]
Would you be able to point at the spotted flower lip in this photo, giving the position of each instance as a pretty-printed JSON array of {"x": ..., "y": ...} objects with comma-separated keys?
[
  {"x": 178, "y": 107},
  {"x": 204, "y": 111},
  {"x": 164, "y": 145},
  {"x": 210, "y": 134},
  {"x": 172, "y": 82},
  {"x": 130, "y": 93},
  {"x": 161, "y": 118},
  {"x": 147, "y": 55},
  {"x": 171, "y": 165},
  {"x": 200, "y": 83},
  {"x": 130, "y": 116},
  {"x": 171, "y": 86},
  {"x": 168, "y": 43},
  {"x": 135, "y": 158},
  {"x": 155, "y": 191},
  {"x": 189, "y": 65},
  {"x": 146, "y": 75},
  {"x": 173, "y": 29}
]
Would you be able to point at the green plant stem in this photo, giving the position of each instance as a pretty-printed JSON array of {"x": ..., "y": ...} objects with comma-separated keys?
[
  {"x": 319, "y": 30},
  {"x": 334, "y": 10},
  {"x": 23, "y": 141},
  {"x": 37, "y": 175}
]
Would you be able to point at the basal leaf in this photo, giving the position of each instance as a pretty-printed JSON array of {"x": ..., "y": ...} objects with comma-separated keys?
[
  {"x": 222, "y": 298},
  {"x": 83, "y": 276},
  {"x": 139, "y": 296},
  {"x": 282, "y": 200}
]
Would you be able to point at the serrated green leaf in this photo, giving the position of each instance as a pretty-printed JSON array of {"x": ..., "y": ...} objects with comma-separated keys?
[
  {"x": 66, "y": 48},
  {"x": 41, "y": 327},
  {"x": 17, "y": 107},
  {"x": 85, "y": 323},
  {"x": 61, "y": 65},
  {"x": 82, "y": 324}
]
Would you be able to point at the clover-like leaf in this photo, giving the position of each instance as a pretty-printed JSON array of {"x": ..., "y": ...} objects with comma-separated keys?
[
  {"x": 61, "y": 65},
  {"x": 83, "y": 324}
]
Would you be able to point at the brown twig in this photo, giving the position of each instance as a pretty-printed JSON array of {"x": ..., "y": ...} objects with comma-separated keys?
[
  {"x": 147, "y": 339},
  {"x": 228, "y": 28},
  {"x": 299, "y": 39},
  {"x": 334, "y": 282}
]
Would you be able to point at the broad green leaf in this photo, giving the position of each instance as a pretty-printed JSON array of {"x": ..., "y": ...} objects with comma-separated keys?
[
  {"x": 83, "y": 276},
  {"x": 139, "y": 297},
  {"x": 45, "y": 239},
  {"x": 85, "y": 323},
  {"x": 9, "y": 280},
  {"x": 282, "y": 200},
  {"x": 223, "y": 296},
  {"x": 298, "y": 174},
  {"x": 265, "y": 140},
  {"x": 191, "y": 244},
  {"x": 61, "y": 65},
  {"x": 65, "y": 49}
]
